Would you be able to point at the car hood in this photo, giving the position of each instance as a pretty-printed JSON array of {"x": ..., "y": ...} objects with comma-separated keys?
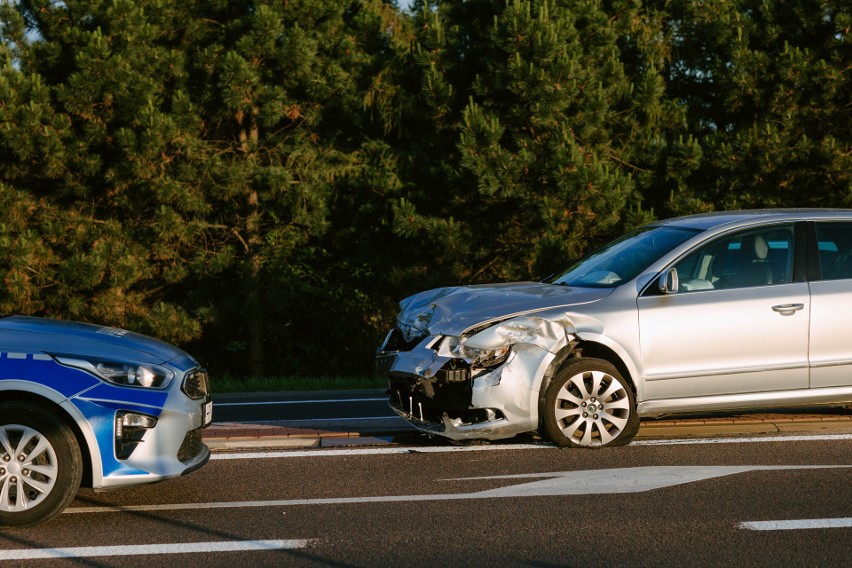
[
  {"x": 30, "y": 334},
  {"x": 454, "y": 310}
]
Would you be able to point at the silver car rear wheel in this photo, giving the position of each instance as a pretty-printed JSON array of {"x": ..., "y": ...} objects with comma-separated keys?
[{"x": 588, "y": 404}]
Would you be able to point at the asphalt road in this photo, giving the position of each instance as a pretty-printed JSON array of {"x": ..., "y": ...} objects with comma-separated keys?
[{"x": 688, "y": 503}]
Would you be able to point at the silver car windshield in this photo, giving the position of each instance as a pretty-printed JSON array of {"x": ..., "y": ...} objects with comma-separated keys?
[{"x": 624, "y": 258}]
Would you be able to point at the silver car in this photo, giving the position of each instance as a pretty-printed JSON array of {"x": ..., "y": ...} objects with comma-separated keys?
[{"x": 723, "y": 311}]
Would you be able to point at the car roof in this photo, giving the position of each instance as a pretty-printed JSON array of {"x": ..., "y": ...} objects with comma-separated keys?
[{"x": 705, "y": 221}]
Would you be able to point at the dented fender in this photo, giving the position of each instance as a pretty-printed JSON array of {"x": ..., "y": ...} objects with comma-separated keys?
[
  {"x": 515, "y": 385},
  {"x": 531, "y": 330},
  {"x": 619, "y": 351}
]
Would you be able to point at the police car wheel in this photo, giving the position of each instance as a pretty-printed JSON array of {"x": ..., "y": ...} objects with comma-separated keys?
[{"x": 40, "y": 464}]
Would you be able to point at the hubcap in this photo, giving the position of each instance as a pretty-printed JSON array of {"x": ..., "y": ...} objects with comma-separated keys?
[
  {"x": 28, "y": 478},
  {"x": 592, "y": 408}
]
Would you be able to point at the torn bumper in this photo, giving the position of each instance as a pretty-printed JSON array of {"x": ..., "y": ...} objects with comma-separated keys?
[{"x": 445, "y": 395}]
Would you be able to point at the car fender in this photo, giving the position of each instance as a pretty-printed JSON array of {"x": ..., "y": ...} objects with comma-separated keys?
[
  {"x": 72, "y": 412},
  {"x": 621, "y": 353}
]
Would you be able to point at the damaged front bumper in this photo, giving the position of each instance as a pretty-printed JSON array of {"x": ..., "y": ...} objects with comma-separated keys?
[{"x": 441, "y": 393}]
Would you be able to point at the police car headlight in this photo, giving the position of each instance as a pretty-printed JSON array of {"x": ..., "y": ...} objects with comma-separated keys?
[
  {"x": 150, "y": 376},
  {"x": 124, "y": 374}
]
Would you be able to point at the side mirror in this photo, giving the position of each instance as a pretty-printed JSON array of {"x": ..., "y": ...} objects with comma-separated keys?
[{"x": 668, "y": 281}]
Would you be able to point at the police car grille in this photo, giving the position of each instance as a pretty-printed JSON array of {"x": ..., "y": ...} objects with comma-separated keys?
[{"x": 196, "y": 384}]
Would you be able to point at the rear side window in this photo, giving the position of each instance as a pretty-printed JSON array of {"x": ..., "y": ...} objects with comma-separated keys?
[{"x": 834, "y": 244}]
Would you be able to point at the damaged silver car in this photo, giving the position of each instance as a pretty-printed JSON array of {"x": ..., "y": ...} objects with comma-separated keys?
[{"x": 714, "y": 312}]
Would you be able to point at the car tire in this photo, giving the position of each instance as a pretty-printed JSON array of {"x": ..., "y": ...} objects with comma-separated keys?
[
  {"x": 588, "y": 404},
  {"x": 40, "y": 464}
]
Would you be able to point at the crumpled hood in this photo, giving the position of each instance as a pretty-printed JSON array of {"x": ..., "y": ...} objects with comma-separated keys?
[
  {"x": 29, "y": 334},
  {"x": 454, "y": 310}
]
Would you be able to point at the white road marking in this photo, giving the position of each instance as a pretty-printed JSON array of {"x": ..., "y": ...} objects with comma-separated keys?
[
  {"x": 798, "y": 524},
  {"x": 374, "y": 451},
  {"x": 145, "y": 549},
  {"x": 319, "y": 401},
  {"x": 588, "y": 482},
  {"x": 623, "y": 480}
]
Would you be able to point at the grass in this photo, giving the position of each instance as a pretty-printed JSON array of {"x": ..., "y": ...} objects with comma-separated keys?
[{"x": 227, "y": 384}]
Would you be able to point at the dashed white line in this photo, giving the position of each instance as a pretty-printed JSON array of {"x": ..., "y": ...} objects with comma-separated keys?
[
  {"x": 297, "y": 422},
  {"x": 319, "y": 401},
  {"x": 798, "y": 524},
  {"x": 145, "y": 549}
]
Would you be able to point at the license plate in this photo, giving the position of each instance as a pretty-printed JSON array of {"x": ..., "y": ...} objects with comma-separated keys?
[{"x": 208, "y": 412}]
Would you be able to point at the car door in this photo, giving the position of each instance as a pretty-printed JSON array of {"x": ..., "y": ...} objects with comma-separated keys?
[
  {"x": 831, "y": 304},
  {"x": 737, "y": 324}
]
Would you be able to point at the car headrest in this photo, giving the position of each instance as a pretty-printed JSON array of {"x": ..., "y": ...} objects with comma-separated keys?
[{"x": 761, "y": 247}]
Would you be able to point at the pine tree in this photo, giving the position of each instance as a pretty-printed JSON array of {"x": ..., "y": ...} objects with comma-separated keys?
[
  {"x": 103, "y": 215},
  {"x": 283, "y": 90},
  {"x": 767, "y": 84},
  {"x": 545, "y": 133},
  {"x": 168, "y": 168}
]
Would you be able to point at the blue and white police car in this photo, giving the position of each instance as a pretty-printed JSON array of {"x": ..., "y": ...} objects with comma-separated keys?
[{"x": 92, "y": 406}]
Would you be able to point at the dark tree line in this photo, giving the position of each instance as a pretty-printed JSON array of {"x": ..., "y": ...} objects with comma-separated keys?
[{"x": 262, "y": 181}]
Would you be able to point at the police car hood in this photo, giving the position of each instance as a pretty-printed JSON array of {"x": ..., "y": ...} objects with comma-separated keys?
[
  {"x": 31, "y": 335},
  {"x": 455, "y": 310}
]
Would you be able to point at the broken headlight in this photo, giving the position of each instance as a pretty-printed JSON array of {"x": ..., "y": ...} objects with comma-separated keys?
[{"x": 479, "y": 357}]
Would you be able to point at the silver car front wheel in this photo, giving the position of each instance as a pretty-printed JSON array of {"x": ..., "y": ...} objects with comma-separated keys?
[
  {"x": 40, "y": 465},
  {"x": 588, "y": 404}
]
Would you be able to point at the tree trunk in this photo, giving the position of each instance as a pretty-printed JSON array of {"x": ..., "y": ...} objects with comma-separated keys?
[{"x": 254, "y": 241}]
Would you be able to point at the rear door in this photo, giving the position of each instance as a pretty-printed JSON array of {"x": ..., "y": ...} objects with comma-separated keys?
[{"x": 831, "y": 308}]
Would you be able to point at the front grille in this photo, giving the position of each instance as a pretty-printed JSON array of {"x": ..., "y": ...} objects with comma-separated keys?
[
  {"x": 191, "y": 446},
  {"x": 429, "y": 400},
  {"x": 196, "y": 384}
]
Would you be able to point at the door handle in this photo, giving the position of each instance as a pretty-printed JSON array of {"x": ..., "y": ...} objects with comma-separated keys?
[{"x": 787, "y": 309}]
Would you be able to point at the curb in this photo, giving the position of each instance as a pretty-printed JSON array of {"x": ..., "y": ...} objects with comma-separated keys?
[{"x": 829, "y": 421}]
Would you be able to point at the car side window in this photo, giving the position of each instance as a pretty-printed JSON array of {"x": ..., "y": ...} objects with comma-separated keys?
[
  {"x": 759, "y": 257},
  {"x": 834, "y": 244}
]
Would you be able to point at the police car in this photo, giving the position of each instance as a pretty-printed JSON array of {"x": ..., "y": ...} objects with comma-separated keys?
[{"x": 92, "y": 406}]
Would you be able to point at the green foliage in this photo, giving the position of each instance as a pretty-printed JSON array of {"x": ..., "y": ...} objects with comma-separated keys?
[
  {"x": 767, "y": 85},
  {"x": 262, "y": 181},
  {"x": 100, "y": 152},
  {"x": 537, "y": 168}
]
